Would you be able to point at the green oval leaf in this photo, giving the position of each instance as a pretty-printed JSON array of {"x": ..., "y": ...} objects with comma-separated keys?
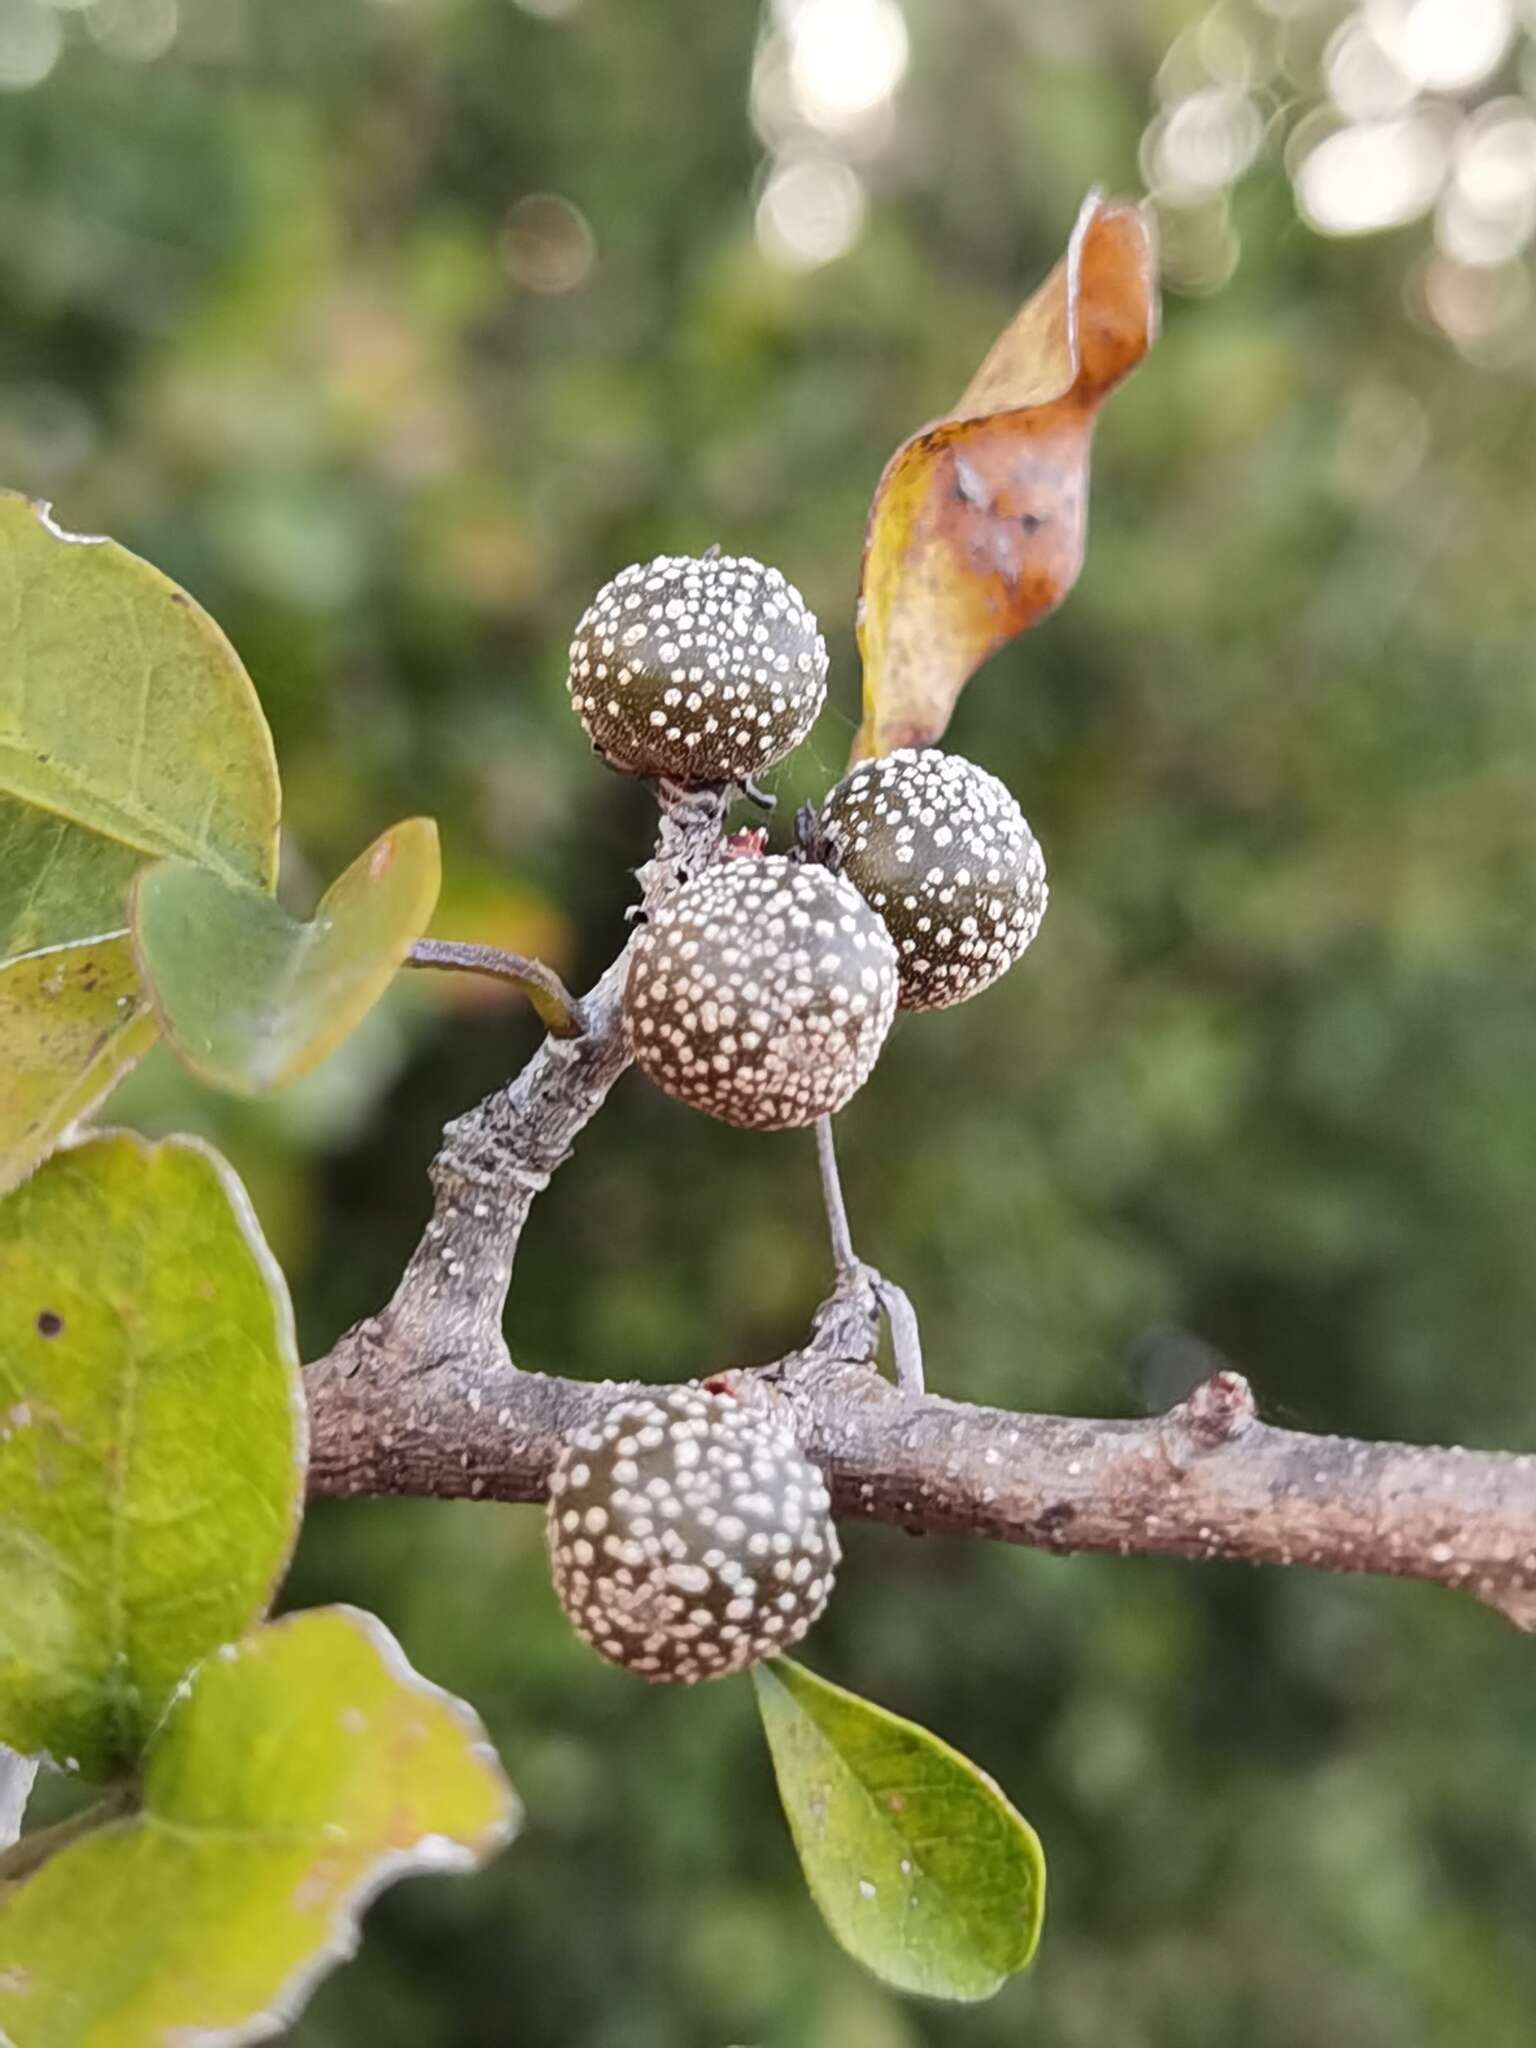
[
  {"x": 57, "y": 882},
  {"x": 307, "y": 1767},
  {"x": 921, "y": 1868},
  {"x": 73, "y": 1020},
  {"x": 252, "y": 998},
  {"x": 124, "y": 708},
  {"x": 151, "y": 1439}
]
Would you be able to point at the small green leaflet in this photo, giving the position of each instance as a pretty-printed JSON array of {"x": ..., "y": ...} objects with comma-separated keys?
[
  {"x": 151, "y": 1439},
  {"x": 298, "y": 1772},
  {"x": 252, "y": 998},
  {"x": 123, "y": 708},
  {"x": 920, "y": 1866}
]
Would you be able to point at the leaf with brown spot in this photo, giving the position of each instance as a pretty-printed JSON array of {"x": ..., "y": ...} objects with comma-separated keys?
[{"x": 977, "y": 527}]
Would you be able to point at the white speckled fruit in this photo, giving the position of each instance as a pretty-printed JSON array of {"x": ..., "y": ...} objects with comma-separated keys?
[
  {"x": 761, "y": 993},
  {"x": 689, "y": 1535},
  {"x": 699, "y": 669},
  {"x": 940, "y": 849}
]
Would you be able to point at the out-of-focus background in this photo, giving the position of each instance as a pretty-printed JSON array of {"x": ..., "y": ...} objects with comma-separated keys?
[{"x": 393, "y": 328}]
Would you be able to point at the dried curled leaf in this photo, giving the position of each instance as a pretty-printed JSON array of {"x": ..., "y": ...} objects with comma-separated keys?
[{"x": 977, "y": 526}]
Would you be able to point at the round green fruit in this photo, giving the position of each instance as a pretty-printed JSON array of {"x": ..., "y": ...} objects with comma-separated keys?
[
  {"x": 701, "y": 669},
  {"x": 689, "y": 1535},
  {"x": 941, "y": 851},
  {"x": 761, "y": 992}
]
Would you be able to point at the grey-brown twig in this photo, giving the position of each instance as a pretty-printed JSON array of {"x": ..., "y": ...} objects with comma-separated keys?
[
  {"x": 445, "y": 1315},
  {"x": 425, "y": 1399},
  {"x": 891, "y": 1300}
]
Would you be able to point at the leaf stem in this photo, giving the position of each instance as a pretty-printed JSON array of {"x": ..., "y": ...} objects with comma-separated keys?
[
  {"x": 558, "y": 1010},
  {"x": 34, "y": 1850}
]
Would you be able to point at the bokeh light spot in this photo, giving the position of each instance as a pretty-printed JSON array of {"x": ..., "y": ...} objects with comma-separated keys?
[
  {"x": 137, "y": 31},
  {"x": 1362, "y": 76},
  {"x": 31, "y": 37},
  {"x": 1205, "y": 142},
  {"x": 810, "y": 213},
  {"x": 1445, "y": 45},
  {"x": 1372, "y": 175},
  {"x": 846, "y": 59},
  {"x": 547, "y": 245}
]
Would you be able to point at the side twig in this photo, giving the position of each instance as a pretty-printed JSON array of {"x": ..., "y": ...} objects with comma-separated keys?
[
  {"x": 890, "y": 1300},
  {"x": 424, "y": 1397},
  {"x": 445, "y": 1315}
]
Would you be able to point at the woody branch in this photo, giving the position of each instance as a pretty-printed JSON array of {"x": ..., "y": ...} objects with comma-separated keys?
[{"x": 424, "y": 1398}]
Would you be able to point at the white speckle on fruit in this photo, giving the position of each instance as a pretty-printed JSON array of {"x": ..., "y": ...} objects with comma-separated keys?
[
  {"x": 666, "y": 1593},
  {"x": 741, "y": 939},
  {"x": 708, "y": 624},
  {"x": 921, "y": 811}
]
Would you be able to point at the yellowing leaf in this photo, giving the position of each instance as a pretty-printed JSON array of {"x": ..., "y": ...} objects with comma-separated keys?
[
  {"x": 151, "y": 1439},
  {"x": 977, "y": 527},
  {"x": 920, "y": 1866},
  {"x": 252, "y": 998},
  {"x": 73, "y": 1020},
  {"x": 124, "y": 708},
  {"x": 304, "y": 1769},
  {"x": 57, "y": 882}
]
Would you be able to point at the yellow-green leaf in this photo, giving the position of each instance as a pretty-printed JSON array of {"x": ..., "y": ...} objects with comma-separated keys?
[
  {"x": 123, "y": 707},
  {"x": 977, "y": 527},
  {"x": 57, "y": 882},
  {"x": 920, "y": 1866},
  {"x": 151, "y": 1439},
  {"x": 252, "y": 998},
  {"x": 73, "y": 1020},
  {"x": 306, "y": 1767}
]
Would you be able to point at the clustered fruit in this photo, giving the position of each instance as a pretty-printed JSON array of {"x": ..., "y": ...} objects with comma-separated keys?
[
  {"x": 689, "y": 1534},
  {"x": 699, "y": 670},
  {"x": 761, "y": 992},
  {"x": 939, "y": 847}
]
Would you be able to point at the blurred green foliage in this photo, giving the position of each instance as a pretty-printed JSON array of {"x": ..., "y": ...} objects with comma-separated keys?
[{"x": 1263, "y": 1085}]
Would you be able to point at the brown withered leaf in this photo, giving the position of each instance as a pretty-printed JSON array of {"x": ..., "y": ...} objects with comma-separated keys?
[{"x": 977, "y": 527}]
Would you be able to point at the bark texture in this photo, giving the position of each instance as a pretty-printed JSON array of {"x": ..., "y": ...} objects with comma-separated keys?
[{"x": 424, "y": 1398}]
